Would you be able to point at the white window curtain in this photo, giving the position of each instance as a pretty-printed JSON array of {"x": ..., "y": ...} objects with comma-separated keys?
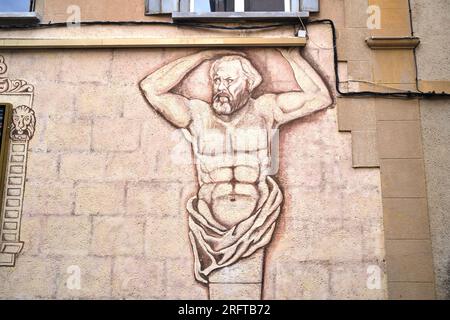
[{"x": 169, "y": 6}]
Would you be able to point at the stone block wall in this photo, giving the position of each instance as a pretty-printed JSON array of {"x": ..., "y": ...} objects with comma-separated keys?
[{"x": 105, "y": 198}]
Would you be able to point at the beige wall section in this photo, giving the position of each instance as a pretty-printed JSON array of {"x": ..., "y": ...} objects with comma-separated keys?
[
  {"x": 110, "y": 200},
  {"x": 99, "y": 10},
  {"x": 391, "y": 134},
  {"x": 431, "y": 24}
]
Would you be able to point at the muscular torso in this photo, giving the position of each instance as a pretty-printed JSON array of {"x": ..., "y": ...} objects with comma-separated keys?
[{"x": 233, "y": 160}]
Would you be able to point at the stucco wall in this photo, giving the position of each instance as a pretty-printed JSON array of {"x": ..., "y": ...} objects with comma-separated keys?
[
  {"x": 103, "y": 192},
  {"x": 436, "y": 140},
  {"x": 431, "y": 23}
]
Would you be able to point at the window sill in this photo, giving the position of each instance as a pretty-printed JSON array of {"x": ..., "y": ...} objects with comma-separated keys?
[
  {"x": 15, "y": 18},
  {"x": 246, "y": 16}
]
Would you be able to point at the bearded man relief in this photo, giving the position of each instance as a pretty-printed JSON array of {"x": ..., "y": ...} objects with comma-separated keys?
[{"x": 235, "y": 210}]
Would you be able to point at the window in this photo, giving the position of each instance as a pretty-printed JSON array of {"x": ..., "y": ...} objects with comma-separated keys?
[
  {"x": 5, "y": 116},
  {"x": 240, "y": 5},
  {"x": 16, "y": 5},
  {"x": 233, "y": 9},
  {"x": 5, "y": 112},
  {"x": 17, "y": 12}
]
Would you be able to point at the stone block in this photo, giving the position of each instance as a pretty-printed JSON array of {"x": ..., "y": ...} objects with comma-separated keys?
[
  {"x": 104, "y": 101},
  {"x": 68, "y": 135},
  {"x": 333, "y": 10},
  {"x": 397, "y": 109},
  {"x": 394, "y": 23},
  {"x": 409, "y": 260},
  {"x": 135, "y": 166},
  {"x": 55, "y": 99},
  {"x": 358, "y": 281},
  {"x": 155, "y": 199},
  {"x": 112, "y": 236},
  {"x": 100, "y": 198},
  {"x": 36, "y": 170},
  {"x": 355, "y": 13},
  {"x": 30, "y": 234},
  {"x": 94, "y": 278},
  {"x": 393, "y": 66},
  {"x": 54, "y": 197},
  {"x": 406, "y": 218},
  {"x": 31, "y": 278},
  {"x": 138, "y": 278},
  {"x": 235, "y": 291},
  {"x": 83, "y": 166},
  {"x": 411, "y": 291},
  {"x": 351, "y": 44},
  {"x": 302, "y": 280},
  {"x": 399, "y": 139},
  {"x": 167, "y": 237},
  {"x": 392, "y": 4},
  {"x": 403, "y": 178},
  {"x": 364, "y": 149},
  {"x": 181, "y": 283},
  {"x": 78, "y": 66},
  {"x": 116, "y": 135},
  {"x": 356, "y": 114},
  {"x": 66, "y": 236},
  {"x": 359, "y": 70}
]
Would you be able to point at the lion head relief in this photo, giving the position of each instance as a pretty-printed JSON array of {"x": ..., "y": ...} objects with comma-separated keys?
[{"x": 23, "y": 123}]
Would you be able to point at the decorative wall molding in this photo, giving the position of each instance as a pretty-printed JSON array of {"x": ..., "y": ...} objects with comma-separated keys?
[
  {"x": 21, "y": 132},
  {"x": 152, "y": 42},
  {"x": 392, "y": 42},
  {"x": 436, "y": 86},
  {"x": 14, "y": 86}
]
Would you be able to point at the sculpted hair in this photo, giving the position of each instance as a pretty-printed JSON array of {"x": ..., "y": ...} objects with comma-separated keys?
[{"x": 253, "y": 76}]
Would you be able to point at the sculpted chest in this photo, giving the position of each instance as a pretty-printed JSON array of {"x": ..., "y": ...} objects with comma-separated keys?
[{"x": 248, "y": 135}]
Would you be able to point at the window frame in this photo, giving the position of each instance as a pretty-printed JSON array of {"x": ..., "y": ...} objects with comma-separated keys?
[
  {"x": 4, "y": 149},
  {"x": 181, "y": 10},
  {"x": 16, "y": 93},
  {"x": 20, "y": 17}
]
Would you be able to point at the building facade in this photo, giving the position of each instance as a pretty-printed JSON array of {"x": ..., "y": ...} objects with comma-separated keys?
[{"x": 214, "y": 149}]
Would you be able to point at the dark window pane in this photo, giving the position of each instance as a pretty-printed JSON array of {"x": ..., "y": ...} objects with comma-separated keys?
[
  {"x": 2, "y": 124},
  {"x": 221, "y": 5},
  {"x": 15, "y": 5},
  {"x": 264, "y": 5}
]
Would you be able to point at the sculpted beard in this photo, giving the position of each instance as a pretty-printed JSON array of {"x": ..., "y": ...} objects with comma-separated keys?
[{"x": 225, "y": 104}]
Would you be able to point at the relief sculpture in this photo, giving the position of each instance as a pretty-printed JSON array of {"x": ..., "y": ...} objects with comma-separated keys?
[
  {"x": 233, "y": 216},
  {"x": 23, "y": 123},
  {"x": 19, "y": 94}
]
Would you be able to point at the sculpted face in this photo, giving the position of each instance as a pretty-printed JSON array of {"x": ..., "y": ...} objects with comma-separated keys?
[
  {"x": 23, "y": 121},
  {"x": 230, "y": 87}
]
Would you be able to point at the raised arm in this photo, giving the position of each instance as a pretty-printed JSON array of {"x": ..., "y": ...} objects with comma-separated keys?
[
  {"x": 314, "y": 96},
  {"x": 158, "y": 85}
]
